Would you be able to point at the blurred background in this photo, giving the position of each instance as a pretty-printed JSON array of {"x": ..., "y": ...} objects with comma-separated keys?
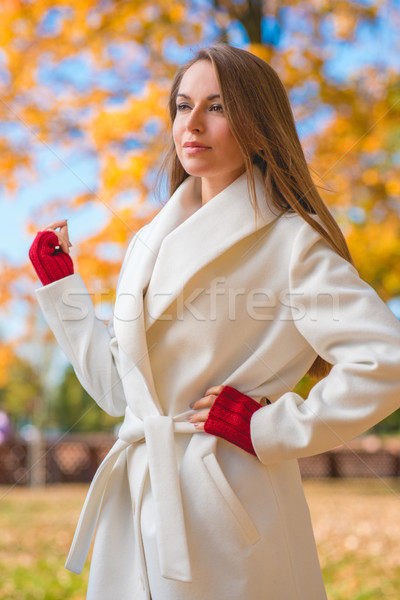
[{"x": 83, "y": 128}]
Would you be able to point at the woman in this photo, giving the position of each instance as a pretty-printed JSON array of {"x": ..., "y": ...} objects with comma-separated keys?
[{"x": 239, "y": 286}]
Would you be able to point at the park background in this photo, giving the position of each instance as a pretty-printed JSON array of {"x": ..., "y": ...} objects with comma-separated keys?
[{"x": 83, "y": 97}]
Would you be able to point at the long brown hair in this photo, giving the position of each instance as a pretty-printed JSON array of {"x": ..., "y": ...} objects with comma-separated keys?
[{"x": 260, "y": 117}]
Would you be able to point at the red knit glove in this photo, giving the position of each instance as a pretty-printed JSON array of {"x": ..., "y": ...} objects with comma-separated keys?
[
  {"x": 229, "y": 418},
  {"x": 50, "y": 264}
]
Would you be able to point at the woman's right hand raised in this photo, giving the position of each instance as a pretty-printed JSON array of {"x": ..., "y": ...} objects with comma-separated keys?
[{"x": 49, "y": 253}]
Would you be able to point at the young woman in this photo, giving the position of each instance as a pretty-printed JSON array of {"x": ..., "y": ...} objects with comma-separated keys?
[{"x": 239, "y": 286}]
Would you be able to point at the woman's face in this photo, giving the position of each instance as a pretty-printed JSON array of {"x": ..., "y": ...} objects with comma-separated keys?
[{"x": 204, "y": 143}]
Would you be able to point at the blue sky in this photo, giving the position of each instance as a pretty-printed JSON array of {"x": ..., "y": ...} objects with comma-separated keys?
[{"x": 64, "y": 180}]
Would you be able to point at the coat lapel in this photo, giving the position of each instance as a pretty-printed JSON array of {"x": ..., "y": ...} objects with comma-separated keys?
[
  {"x": 138, "y": 266},
  {"x": 198, "y": 240},
  {"x": 142, "y": 259}
]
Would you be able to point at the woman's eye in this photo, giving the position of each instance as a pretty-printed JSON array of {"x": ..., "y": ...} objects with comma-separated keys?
[{"x": 183, "y": 106}]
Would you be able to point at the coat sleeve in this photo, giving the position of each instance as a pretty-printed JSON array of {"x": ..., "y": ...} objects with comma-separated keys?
[
  {"x": 89, "y": 344},
  {"x": 347, "y": 324}
]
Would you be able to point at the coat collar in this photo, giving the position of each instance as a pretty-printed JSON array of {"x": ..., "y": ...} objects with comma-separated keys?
[{"x": 202, "y": 236}]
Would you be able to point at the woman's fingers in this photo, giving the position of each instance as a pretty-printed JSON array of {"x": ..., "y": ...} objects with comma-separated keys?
[
  {"x": 199, "y": 426},
  {"x": 215, "y": 389},
  {"x": 208, "y": 399},
  {"x": 62, "y": 234},
  {"x": 57, "y": 224},
  {"x": 199, "y": 418},
  {"x": 203, "y": 405},
  {"x": 205, "y": 402}
]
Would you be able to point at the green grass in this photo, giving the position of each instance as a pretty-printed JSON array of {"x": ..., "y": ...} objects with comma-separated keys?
[
  {"x": 352, "y": 578},
  {"x": 36, "y": 531},
  {"x": 356, "y": 524},
  {"x": 357, "y": 528}
]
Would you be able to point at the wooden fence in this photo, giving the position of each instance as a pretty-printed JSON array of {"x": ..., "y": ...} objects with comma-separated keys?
[{"x": 74, "y": 458}]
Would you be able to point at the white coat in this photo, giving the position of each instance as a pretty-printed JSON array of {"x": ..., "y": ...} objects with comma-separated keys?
[{"x": 208, "y": 296}]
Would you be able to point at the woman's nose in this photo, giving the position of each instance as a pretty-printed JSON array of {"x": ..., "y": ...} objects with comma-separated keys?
[{"x": 195, "y": 122}]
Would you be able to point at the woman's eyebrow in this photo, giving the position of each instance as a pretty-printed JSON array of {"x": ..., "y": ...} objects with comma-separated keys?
[{"x": 211, "y": 97}]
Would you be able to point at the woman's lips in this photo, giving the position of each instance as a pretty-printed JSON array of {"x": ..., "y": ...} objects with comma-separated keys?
[{"x": 195, "y": 149}]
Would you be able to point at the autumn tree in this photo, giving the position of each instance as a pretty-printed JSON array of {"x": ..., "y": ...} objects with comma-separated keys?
[
  {"x": 21, "y": 391},
  {"x": 72, "y": 410}
]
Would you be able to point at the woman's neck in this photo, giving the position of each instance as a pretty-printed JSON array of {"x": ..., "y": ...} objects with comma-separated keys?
[{"x": 211, "y": 187}]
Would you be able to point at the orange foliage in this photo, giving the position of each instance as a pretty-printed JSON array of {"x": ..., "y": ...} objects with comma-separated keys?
[{"x": 7, "y": 359}]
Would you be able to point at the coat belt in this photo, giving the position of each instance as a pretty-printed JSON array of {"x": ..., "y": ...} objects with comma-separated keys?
[{"x": 158, "y": 433}]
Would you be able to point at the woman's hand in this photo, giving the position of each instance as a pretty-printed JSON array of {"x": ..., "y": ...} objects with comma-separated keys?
[
  {"x": 204, "y": 406},
  {"x": 49, "y": 253},
  {"x": 62, "y": 234},
  {"x": 225, "y": 412}
]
